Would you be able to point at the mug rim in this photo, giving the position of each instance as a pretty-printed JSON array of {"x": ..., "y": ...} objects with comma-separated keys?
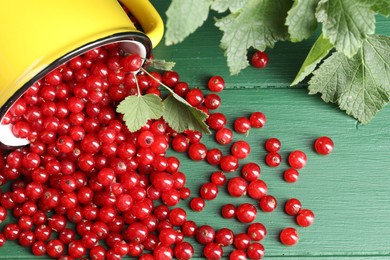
[{"x": 118, "y": 37}]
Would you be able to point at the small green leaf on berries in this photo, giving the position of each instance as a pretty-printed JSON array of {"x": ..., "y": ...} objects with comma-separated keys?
[
  {"x": 161, "y": 64},
  {"x": 138, "y": 110},
  {"x": 182, "y": 116}
]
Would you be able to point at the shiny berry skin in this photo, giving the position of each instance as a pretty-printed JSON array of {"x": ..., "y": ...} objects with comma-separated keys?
[
  {"x": 324, "y": 145},
  {"x": 272, "y": 145},
  {"x": 216, "y": 84},
  {"x": 238, "y": 254},
  {"x": 259, "y": 59},
  {"x": 255, "y": 251},
  {"x": 256, "y": 231},
  {"x": 183, "y": 251},
  {"x": 170, "y": 78},
  {"x": 291, "y": 175},
  {"x": 177, "y": 216},
  {"x": 305, "y": 218},
  {"x": 292, "y": 207},
  {"x": 216, "y": 121},
  {"x": 195, "y": 97},
  {"x": 257, "y": 120},
  {"x": 55, "y": 248},
  {"x": 241, "y": 241},
  {"x": 273, "y": 159},
  {"x": 218, "y": 178},
  {"x": 224, "y": 237},
  {"x": 213, "y": 251},
  {"x": 240, "y": 149},
  {"x": 189, "y": 228},
  {"x": 208, "y": 191},
  {"x": 205, "y": 234},
  {"x": 224, "y": 136},
  {"x": 214, "y": 156},
  {"x": 228, "y": 211},
  {"x": 229, "y": 163},
  {"x": 197, "y": 204},
  {"x": 246, "y": 213},
  {"x": 297, "y": 159},
  {"x": 289, "y": 236},
  {"x": 212, "y": 101},
  {"x": 242, "y": 125},
  {"x": 197, "y": 151},
  {"x": 268, "y": 203},
  {"x": 237, "y": 186},
  {"x": 250, "y": 171},
  {"x": 132, "y": 63}
]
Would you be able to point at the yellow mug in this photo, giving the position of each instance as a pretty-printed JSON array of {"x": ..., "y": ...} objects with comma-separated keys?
[{"x": 40, "y": 35}]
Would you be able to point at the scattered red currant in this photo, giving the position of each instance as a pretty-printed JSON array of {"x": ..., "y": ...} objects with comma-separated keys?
[
  {"x": 289, "y": 236},
  {"x": 259, "y": 59},
  {"x": 293, "y": 207},
  {"x": 324, "y": 145},
  {"x": 291, "y": 175},
  {"x": 305, "y": 218},
  {"x": 297, "y": 159}
]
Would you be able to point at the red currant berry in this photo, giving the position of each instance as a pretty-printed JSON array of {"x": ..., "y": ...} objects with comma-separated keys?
[
  {"x": 324, "y": 145},
  {"x": 183, "y": 251},
  {"x": 224, "y": 136},
  {"x": 268, "y": 203},
  {"x": 273, "y": 159},
  {"x": 212, "y": 101},
  {"x": 291, "y": 175},
  {"x": 305, "y": 218},
  {"x": 208, "y": 191},
  {"x": 216, "y": 121},
  {"x": 197, "y": 151},
  {"x": 132, "y": 63},
  {"x": 246, "y": 213},
  {"x": 289, "y": 236},
  {"x": 255, "y": 251},
  {"x": 216, "y": 83},
  {"x": 297, "y": 159},
  {"x": 205, "y": 234},
  {"x": 218, "y": 178},
  {"x": 224, "y": 237},
  {"x": 195, "y": 97},
  {"x": 242, "y": 125},
  {"x": 259, "y": 59},
  {"x": 228, "y": 211},
  {"x": 229, "y": 163},
  {"x": 214, "y": 156},
  {"x": 257, "y": 231},
  {"x": 240, "y": 149},
  {"x": 257, "y": 120},
  {"x": 213, "y": 251},
  {"x": 237, "y": 186},
  {"x": 242, "y": 241},
  {"x": 251, "y": 171},
  {"x": 272, "y": 145},
  {"x": 292, "y": 207},
  {"x": 197, "y": 204}
]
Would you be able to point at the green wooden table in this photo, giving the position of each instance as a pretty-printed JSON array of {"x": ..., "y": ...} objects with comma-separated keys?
[{"x": 348, "y": 190}]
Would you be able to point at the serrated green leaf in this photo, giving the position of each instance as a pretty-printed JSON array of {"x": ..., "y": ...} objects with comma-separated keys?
[
  {"x": 184, "y": 17},
  {"x": 360, "y": 85},
  {"x": 380, "y": 6},
  {"x": 162, "y": 64},
  {"x": 137, "y": 110},
  {"x": 317, "y": 52},
  {"x": 346, "y": 23},
  {"x": 182, "y": 116},
  {"x": 259, "y": 25},
  {"x": 301, "y": 20},
  {"x": 224, "y": 5}
]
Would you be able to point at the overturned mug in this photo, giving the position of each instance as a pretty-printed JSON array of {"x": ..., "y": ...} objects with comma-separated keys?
[{"x": 41, "y": 35}]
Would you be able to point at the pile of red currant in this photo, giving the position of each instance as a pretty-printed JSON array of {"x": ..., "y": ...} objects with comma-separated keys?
[{"x": 88, "y": 187}]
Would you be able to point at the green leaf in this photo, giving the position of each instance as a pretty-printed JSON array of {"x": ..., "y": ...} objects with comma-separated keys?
[
  {"x": 137, "y": 110},
  {"x": 317, "y": 52},
  {"x": 301, "y": 20},
  {"x": 223, "y": 5},
  {"x": 162, "y": 64},
  {"x": 184, "y": 17},
  {"x": 259, "y": 25},
  {"x": 182, "y": 116},
  {"x": 360, "y": 85},
  {"x": 346, "y": 23},
  {"x": 380, "y": 6}
]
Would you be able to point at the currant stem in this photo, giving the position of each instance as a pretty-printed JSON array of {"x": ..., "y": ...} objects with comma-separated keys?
[
  {"x": 136, "y": 83},
  {"x": 153, "y": 77}
]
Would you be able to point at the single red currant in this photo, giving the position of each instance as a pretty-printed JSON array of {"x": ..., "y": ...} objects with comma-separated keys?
[
  {"x": 268, "y": 203},
  {"x": 291, "y": 175},
  {"x": 257, "y": 119},
  {"x": 297, "y": 159},
  {"x": 216, "y": 83},
  {"x": 289, "y": 236},
  {"x": 246, "y": 213},
  {"x": 242, "y": 125},
  {"x": 293, "y": 207},
  {"x": 259, "y": 59},
  {"x": 272, "y": 145},
  {"x": 273, "y": 159},
  {"x": 257, "y": 231},
  {"x": 323, "y": 145},
  {"x": 305, "y": 218}
]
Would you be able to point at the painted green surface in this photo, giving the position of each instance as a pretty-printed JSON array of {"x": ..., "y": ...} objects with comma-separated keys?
[{"x": 347, "y": 190}]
